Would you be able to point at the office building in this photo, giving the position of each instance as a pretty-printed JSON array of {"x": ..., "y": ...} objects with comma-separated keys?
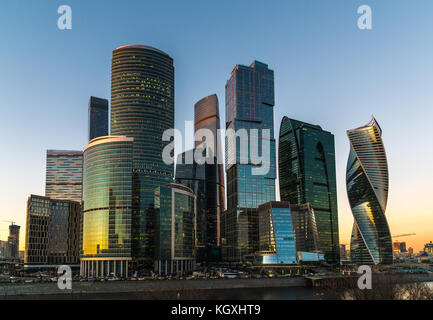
[
  {"x": 98, "y": 118},
  {"x": 306, "y": 157},
  {"x": 205, "y": 179},
  {"x": 107, "y": 207},
  {"x": 367, "y": 190},
  {"x": 14, "y": 241},
  {"x": 64, "y": 175},
  {"x": 52, "y": 232},
  {"x": 428, "y": 247},
  {"x": 174, "y": 229},
  {"x": 142, "y": 107},
  {"x": 287, "y": 234},
  {"x": 249, "y": 105}
]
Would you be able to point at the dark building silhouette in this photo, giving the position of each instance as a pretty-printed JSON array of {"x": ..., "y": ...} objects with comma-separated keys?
[
  {"x": 306, "y": 158},
  {"x": 98, "y": 117}
]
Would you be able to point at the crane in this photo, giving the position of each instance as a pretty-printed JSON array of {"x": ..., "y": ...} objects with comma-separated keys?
[
  {"x": 404, "y": 235},
  {"x": 10, "y": 221}
]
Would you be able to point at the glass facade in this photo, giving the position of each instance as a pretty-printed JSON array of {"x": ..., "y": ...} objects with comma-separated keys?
[
  {"x": 64, "y": 175},
  {"x": 249, "y": 105},
  {"x": 175, "y": 212},
  {"x": 367, "y": 190},
  {"x": 107, "y": 206},
  {"x": 98, "y": 118},
  {"x": 142, "y": 107},
  {"x": 206, "y": 116},
  {"x": 306, "y": 158},
  {"x": 52, "y": 232},
  {"x": 284, "y": 231}
]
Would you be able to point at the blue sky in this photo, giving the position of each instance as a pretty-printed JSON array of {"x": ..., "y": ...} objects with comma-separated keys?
[{"x": 327, "y": 72}]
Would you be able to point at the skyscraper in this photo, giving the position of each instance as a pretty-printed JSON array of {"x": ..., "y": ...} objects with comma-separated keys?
[
  {"x": 367, "y": 190},
  {"x": 306, "y": 158},
  {"x": 249, "y": 105},
  {"x": 174, "y": 225},
  {"x": 107, "y": 206},
  {"x": 142, "y": 107},
  {"x": 98, "y": 117},
  {"x": 64, "y": 175},
  {"x": 206, "y": 180},
  {"x": 14, "y": 240},
  {"x": 206, "y": 116}
]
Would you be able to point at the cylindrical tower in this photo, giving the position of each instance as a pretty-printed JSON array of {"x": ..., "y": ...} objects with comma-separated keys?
[
  {"x": 142, "y": 107},
  {"x": 367, "y": 190},
  {"x": 107, "y": 206}
]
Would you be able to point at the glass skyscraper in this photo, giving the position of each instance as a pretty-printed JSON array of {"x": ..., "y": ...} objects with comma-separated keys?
[
  {"x": 285, "y": 232},
  {"x": 64, "y": 175},
  {"x": 107, "y": 206},
  {"x": 206, "y": 180},
  {"x": 367, "y": 190},
  {"x": 175, "y": 210},
  {"x": 98, "y": 117},
  {"x": 142, "y": 107},
  {"x": 249, "y": 105},
  {"x": 306, "y": 158}
]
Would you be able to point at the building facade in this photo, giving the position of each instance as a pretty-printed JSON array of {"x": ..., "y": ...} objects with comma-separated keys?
[
  {"x": 175, "y": 212},
  {"x": 249, "y": 105},
  {"x": 64, "y": 175},
  {"x": 107, "y": 207},
  {"x": 287, "y": 234},
  {"x": 367, "y": 189},
  {"x": 142, "y": 107},
  {"x": 14, "y": 241},
  {"x": 206, "y": 117},
  {"x": 98, "y": 118},
  {"x": 52, "y": 232},
  {"x": 306, "y": 158}
]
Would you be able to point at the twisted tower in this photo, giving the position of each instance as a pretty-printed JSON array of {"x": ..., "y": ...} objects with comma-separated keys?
[{"x": 367, "y": 190}]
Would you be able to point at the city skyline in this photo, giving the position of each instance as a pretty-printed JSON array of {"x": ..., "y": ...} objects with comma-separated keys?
[{"x": 366, "y": 92}]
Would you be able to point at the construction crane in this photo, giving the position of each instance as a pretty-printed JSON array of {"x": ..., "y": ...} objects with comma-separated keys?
[
  {"x": 10, "y": 221},
  {"x": 404, "y": 235}
]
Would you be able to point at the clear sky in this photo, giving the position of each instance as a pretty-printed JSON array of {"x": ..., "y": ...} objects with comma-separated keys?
[{"x": 327, "y": 72}]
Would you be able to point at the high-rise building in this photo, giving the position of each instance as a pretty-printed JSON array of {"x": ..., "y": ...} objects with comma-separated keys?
[
  {"x": 14, "y": 241},
  {"x": 287, "y": 233},
  {"x": 306, "y": 158},
  {"x": 142, "y": 107},
  {"x": 52, "y": 232},
  {"x": 107, "y": 206},
  {"x": 98, "y": 118},
  {"x": 428, "y": 247},
  {"x": 205, "y": 179},
  {"x": 64, "y": 175},
  {"x": 206, "y": 117},
  {"x": 249, "y": 105},
  {"x": 367, "y": 190},
  {"x": 174, "y": 225}
]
